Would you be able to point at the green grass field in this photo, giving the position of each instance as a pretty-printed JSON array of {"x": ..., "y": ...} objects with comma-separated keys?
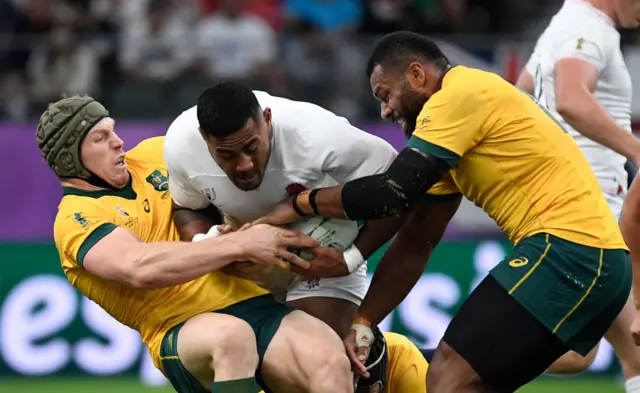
[{"x": 547, "y": 385}]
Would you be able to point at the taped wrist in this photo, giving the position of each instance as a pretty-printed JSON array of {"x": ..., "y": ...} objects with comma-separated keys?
[
  {"x": 364, "y": 335},
  {"x": 408, "y": 178},
  {"x": 213, "y": 232},
  {"x": 353, "y": 257}
]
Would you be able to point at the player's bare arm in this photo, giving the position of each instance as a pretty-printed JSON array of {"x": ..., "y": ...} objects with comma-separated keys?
[
  {"x": 331, "y": 262},
  {"x": 353, "y": 154},
  {"x": 406, "y": 258},
  {"x": 402, "y": 265},
  {"x": 375, "y": 233},
  {"x": 388, "y": 194},
  {"x": 121, "y": 256},
  {"x": 193, "y": 222},
  {"x": 575, "y": 82},
  {"x": 525, "y": 82},
  {"x": 356, "y": 154}
]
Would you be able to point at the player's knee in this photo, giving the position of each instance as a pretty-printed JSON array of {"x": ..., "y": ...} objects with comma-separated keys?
[
  {"x": 441, "y": 381},
  {"x": 234, "y": 344},
  {"x": 436, "y": 373},
  {"x": 334, "y": 375},
  {"x": 448, "y": 373}
]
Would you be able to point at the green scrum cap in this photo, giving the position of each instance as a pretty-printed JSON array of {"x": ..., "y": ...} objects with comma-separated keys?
[{"x": 61, "y": 130}]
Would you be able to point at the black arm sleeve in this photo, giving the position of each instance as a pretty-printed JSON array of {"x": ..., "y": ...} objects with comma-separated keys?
[{"x": 408, "y": 178}]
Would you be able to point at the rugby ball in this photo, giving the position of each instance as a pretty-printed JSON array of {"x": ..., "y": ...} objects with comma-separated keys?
[{"x": 329, "y": 232}]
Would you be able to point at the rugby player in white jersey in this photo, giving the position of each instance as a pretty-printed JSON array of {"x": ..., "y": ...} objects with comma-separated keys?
[
  {"x": 242, "y": 152},
  {"x": 578, "y": 72}
]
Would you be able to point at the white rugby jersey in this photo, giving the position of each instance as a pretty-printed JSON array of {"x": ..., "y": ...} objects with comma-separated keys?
[
  {"x": 311, "y": 147},
  {"x": 581, "y": 31}
]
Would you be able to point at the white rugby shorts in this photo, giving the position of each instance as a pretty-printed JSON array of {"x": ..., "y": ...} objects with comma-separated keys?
[{"x": 351, "y": 288}]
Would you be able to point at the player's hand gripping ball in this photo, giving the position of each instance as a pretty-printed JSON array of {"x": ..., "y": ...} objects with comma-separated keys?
[
  {"x": 329, "y": 232},
  {"x": 338, "y": 234},
  {"x": 330, "y": 259}
]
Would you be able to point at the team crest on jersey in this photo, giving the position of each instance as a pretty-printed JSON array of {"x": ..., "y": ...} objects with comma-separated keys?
[
  {"x": 79, "y": 218},
  {"x": 209, "y": 193},
  {"x": 121, "y": 210},
  {"x": 295, "y": 188},
  {"x": 158, "y": 181}
]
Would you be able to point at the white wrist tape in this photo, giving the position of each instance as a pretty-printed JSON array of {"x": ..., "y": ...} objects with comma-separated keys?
[
  {"x": 364, "y": 335},
  {"x": 353, "y": 258},
  {"x": 213, "y": 232}
]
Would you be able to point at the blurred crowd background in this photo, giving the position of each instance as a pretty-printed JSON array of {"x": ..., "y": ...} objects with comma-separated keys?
[{"x": 151, "y": 58}]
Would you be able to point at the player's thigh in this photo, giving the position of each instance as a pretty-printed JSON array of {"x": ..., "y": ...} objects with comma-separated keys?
[
  {"x": 332, "y": 300},
  {"x": 600, "y": 307},
  {"x": 265, "y": 315},
  {"x": 336, "y": 313},
  {"x": 575, "y": 291},
  {"x": 492, "y": 342},
  {"x": 188, "y": 350},
  {"x": 301, "y": 347}
]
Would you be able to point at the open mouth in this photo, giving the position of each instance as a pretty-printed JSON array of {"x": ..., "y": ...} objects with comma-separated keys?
[
  {"x": 397, "y": 120},
  {"x": 400, "y": 121},
  {"x": 246, "y": 176},
  {"x": 120, "y": 162}
]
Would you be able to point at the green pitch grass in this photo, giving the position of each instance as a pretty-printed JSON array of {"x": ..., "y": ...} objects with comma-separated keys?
[{"x": 551, "y": 385}]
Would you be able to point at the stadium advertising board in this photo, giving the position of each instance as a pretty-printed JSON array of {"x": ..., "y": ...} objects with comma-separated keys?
[{"x": 47, "y": 328}]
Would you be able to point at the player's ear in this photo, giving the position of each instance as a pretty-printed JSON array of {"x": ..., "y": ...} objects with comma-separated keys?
[
  {"x": 416, "y": 75},
  {"x": 267, "y": 115}
]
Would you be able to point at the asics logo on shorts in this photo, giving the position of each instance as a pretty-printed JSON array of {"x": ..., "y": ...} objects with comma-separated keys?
[{"x": 518, "y": 262}]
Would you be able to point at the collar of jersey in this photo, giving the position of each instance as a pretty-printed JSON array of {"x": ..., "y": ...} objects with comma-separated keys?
[
  {"x": 447, "y": 73},
  {"x": 126, "y": 192}
]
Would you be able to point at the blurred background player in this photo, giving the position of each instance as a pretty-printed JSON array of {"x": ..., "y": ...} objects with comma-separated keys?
[
  {"x": 119, "y": 246},
  {"x": 578, "y": 72},
  {"x": 243, "y": 152},
  {"x": 474, "y": 134},
  {"x": 630, "y": 225}
]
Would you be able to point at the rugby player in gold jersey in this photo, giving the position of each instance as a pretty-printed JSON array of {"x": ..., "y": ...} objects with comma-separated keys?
[
  {"x": 474, "y": 134},
  {"x": 206, "y": 331}
]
